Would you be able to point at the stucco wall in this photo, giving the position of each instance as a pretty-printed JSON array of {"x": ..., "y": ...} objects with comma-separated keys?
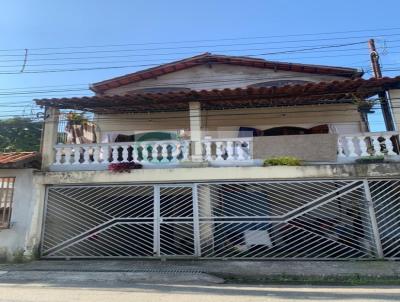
[
  {"x": 209, "y": 174},
  {"x": 311, "y": 147},
  {"x": 219, "y": 76},
  {"x": 14, "y": 238}
]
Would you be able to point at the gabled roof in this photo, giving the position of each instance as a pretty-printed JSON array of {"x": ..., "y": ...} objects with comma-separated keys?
[
  {"x": 208, "y": 58},
  {"x": 326, "y": 92},
  {"x": 19, "y": 160}
]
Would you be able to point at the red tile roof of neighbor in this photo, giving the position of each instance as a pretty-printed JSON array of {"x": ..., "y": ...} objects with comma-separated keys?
[
  {"x": 18, "y": 159},
  {"x": 208, "y": 58},
  {"x": 305, "y": 94}
]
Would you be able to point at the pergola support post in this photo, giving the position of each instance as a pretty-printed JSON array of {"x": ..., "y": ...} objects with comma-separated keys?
[
  {"x": 195, "y": 131},
  {"x": 49, "y": 136},
  {"x": 394, "y": 96}
]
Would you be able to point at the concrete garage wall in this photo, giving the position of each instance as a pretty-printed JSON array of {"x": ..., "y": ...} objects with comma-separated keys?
[
  {"x": 13, "y": 240},
  {"x": 311, "y": 147}
]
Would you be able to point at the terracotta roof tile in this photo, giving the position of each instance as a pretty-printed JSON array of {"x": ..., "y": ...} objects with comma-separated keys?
[
  {"x": 16, "y": 158},
  {"x": 304, "y": 94},
  {"x": 208, "y": 58}
]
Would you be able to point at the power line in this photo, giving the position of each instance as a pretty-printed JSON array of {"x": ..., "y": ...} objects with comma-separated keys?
[
  {"x": 10, "y": 72},
  {"x": 43, "y": 86},
  {"x": 162, "y": 54},
  {"x": 184, "y": 47},
  {"x": 210, "y": 40},
  {"x": 231, "y": 114},
  {"x": 305, "y": 49},
  {"x": 210, "y": 79},
  {"x": 217, "y": 79},
  {"x": 201, "y": 46}
]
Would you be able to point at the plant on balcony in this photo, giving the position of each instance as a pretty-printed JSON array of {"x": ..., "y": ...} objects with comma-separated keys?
[
  {"x": 370, "y": 159},
  {"x": 76, "y": 118},
  {"x": 364, "y": 106},
  {"x": 124, "y": 167},
  {"x": 282, "y": 161}
]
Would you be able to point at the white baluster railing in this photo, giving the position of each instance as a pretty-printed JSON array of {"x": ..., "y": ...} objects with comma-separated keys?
[
  {"x": 100, "y": 155},
  {"x": 358, "y": 145},
  {"x": 228, "y": 149}
]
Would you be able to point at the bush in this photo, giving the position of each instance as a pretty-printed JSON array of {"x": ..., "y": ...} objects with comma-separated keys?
[
  {"x": 18, "y": 256},
  {"x": 282, "y": 161},
  {"x": 370, "y": 159}
]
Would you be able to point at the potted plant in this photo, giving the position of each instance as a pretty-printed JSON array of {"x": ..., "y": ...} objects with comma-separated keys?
[
  {"x": 282, "y": 161},
  {"x": 370, "y": 159}
]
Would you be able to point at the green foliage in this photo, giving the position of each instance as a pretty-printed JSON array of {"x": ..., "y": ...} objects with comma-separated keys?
[
  {"x": 19, "y": 134},
  {"x": 18, "y": 256},
  {"x": 77, "y": 118},
  {"x": 282, "y": 161},
  {"x": 370, "y": 159}
]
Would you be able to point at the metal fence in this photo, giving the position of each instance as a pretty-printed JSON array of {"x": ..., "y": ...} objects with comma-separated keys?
[{"x": 326, "y": 219}]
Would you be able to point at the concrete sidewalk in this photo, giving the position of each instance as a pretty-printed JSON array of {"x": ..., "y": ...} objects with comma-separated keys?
[{"x": 201, "y": 270}]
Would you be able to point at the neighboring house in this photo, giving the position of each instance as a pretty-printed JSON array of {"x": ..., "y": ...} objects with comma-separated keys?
[
  {"x": 201, "y": 128},
  {"x": 16, "y": 202}
]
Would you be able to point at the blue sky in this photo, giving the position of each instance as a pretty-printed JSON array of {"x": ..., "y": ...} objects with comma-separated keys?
[{"x": 62, "y": 25}]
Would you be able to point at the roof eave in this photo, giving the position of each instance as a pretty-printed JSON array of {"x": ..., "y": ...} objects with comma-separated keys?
[{"x": 205, "y": 58}]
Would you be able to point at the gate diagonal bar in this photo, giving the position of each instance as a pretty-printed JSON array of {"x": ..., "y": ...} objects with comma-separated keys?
[
  {"x": 385, "y": 196},
  {"x": 176, "y": 228},
  {"x": 99, "y": 221},
  {"x": 274, "y": 220},
  {"x": 315, "y": 219}
]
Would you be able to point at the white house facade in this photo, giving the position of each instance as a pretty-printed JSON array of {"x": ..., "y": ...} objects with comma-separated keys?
[{"x": 168, "y": 162}]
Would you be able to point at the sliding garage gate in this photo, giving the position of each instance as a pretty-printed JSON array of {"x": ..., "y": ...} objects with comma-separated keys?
[{"x": 327, "y": 219}]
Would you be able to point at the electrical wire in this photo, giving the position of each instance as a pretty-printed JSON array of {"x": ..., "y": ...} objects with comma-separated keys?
[
  {"x": 280, "y": 113},
  {"x": 203, "y": 46},
  {"x": 177, "y": 82},
  {"x": 306, "y": 47},
  {"x": 170, "y": 59},
  {"x": 212, "y": 40},
  {"x": 218, "y": 114}
]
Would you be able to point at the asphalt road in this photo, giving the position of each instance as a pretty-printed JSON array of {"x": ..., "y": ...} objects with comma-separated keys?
[{"x": 193, "y": 293}]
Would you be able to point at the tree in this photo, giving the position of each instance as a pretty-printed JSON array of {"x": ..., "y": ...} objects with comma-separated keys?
[{"x": 20, "y": 134}]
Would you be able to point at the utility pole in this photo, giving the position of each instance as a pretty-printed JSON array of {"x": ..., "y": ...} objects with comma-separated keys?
[{"x": 376, "y": 67}]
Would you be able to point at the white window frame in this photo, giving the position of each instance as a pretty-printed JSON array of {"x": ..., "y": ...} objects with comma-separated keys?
[{"x": 7, "y": 185}]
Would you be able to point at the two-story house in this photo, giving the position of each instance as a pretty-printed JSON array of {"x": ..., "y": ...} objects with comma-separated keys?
[{"x": 200, "y": 129}]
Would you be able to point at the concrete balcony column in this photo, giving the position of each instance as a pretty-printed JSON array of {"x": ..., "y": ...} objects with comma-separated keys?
[
  {"x": 195, "y": 130},
  {"x": 49, "y": 136}
]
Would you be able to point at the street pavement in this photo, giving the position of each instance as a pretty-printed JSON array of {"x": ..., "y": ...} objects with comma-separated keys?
[
  {"x": 145, "y": 292},
  {"x": 120, "y": 281}
]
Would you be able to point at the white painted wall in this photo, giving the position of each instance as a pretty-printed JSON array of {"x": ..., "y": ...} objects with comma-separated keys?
[{"x": 15, "y": 238}]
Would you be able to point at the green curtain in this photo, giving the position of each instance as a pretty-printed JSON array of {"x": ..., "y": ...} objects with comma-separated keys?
[{"x": 155, "y": 136}]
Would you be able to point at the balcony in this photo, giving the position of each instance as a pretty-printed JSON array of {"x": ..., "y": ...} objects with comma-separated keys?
[{"x": 312, "y": 149}]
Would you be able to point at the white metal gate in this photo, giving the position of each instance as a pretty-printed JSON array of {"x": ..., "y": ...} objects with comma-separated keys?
[
  {"x": 119, "y": 221},
  {"x": 175, "y": 221},
  {"x": 319, "y": 219}
]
